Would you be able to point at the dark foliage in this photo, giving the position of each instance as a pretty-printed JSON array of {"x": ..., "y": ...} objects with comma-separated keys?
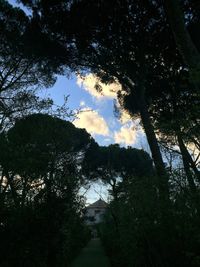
[
  {"x": 132, "y": 232},
  {"x": 41, "y": 212}
]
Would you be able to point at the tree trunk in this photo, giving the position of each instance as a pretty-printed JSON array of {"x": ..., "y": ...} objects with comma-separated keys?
[
  {"x": 149, "y": 130},
  {"x": 24, "y": 193},
  {"x": 162, "y": 175},
  {"x": 13, "y": 190},
  {"x": 166, "y": 217},
  {"x": 186, "y": 164},
  {"x": 3, "y": 189},
  {"x": 153, "y": 144},
  {"x": 191, "y": 183},
  {"x": 186, "y": 47},
  {"x": 187, "y": 157}
]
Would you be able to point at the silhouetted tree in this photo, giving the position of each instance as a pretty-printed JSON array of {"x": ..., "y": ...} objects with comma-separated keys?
[
  {"x": 41, "y": 162},
  {"x": 22, "y": 70},
  {"x": 113, "y": 163}
]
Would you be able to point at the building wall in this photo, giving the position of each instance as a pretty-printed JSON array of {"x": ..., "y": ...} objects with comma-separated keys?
[{"x": 94, "y": 215}]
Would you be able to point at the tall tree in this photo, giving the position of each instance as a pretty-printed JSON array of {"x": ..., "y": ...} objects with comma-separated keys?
[
  {"x": 112, "y": 164},
  {"x": 40, "y": 208},
  {"x": 175, "y": 103},
  {"x": 42, "y": 150}
]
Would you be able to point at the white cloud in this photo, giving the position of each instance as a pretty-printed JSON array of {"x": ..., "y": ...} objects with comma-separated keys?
[
  {"x": 126, "y": 135},
  {"x": 130, "y": 134},
  {"x": 90, "y": 80},
  {"x": 125, "y": 117},
  {"x": 92, "y": 122},
  {"x": 82, "y": 103}
]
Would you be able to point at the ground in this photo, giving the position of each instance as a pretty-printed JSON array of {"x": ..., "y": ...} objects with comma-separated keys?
[{"x": 92, "y": 255}]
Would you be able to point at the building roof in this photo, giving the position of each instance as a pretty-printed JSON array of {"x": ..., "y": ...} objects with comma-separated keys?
[{"x": 98, "y": 204}]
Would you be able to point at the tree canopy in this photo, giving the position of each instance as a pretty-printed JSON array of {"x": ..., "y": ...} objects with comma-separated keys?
[{"x": 24, "y": 69}]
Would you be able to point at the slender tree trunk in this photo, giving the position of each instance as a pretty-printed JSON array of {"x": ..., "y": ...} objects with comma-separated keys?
[
  {"x": 2, "y": 188},
  {"x": 24, "y": 193},
  {"x": 13, "y": 190},
  {"x": 112, "y": 183},
  {"x": 187, "y": 157},
  {"x": 149, "y": 131},
  {"x": 162, "y": 175},
  {"x": 153, "y": 144},
  {"x": 193, "y": 189},
  {"x": 48, "y": 183},
  {"x": 186, "y": 165},
  {"x": 186, "y": 47},
  {"x": 1, "y": 180}
]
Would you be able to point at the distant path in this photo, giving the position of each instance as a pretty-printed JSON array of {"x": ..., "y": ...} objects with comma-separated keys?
[{"x": 92, "y": 255}]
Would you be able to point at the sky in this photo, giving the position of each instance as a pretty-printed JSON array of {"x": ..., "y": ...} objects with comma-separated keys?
[{"x": 96, "y": 112}]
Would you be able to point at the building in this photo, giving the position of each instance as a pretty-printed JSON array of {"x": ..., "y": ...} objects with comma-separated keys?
[{"x": 94, "y": 212}]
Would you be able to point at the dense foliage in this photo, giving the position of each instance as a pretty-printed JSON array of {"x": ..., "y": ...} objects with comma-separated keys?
[
  {"x": 24, "y": 69},
  {"x": 133, "y": 234},
  {"x": 40, "y": 209}
]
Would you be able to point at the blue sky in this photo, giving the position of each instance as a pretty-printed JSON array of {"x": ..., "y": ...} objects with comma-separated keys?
[{"x": 98, "y": 111}]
